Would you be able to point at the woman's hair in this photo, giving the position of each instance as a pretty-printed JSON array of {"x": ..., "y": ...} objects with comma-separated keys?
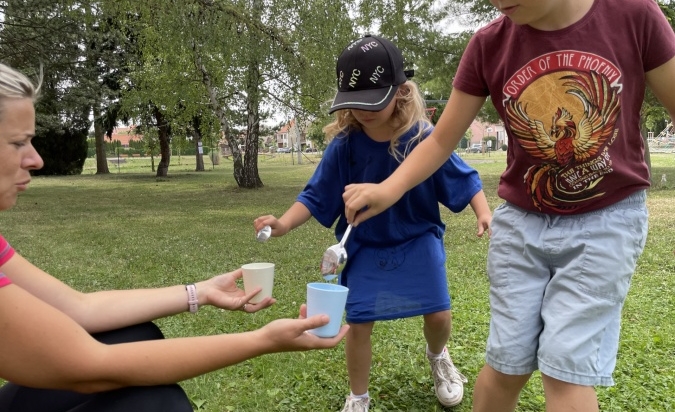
[
  {"x": 409, "y": 112},
  {"x": 15, "y": 85}
]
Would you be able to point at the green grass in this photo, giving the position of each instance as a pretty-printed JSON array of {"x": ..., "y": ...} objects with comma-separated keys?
[{"x": 130, "y": 229}]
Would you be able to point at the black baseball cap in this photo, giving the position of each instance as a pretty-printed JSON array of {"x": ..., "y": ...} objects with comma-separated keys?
[{"x": 369, "y": 72}]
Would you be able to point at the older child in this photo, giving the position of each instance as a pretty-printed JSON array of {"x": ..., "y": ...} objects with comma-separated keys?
[
  {"x": 568, "y": 78},
  {"x": 396, "y": 265}
]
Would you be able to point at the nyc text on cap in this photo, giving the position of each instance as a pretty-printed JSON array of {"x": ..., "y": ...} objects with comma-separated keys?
[{"x": 369, "y": 72}]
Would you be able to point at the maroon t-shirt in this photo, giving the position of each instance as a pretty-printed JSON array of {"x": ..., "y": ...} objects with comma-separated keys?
[{"x": 570, "y": 100}]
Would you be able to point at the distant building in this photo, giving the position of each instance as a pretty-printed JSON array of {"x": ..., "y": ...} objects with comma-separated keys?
[
  {"x": 480, "y": 131},
  {"x": 125, "y": 134},
  {"x": 267, "y": 141},
  {"x": 292, "y": 135}
]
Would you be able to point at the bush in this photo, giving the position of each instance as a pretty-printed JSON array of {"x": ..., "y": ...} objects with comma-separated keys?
[{"x": 63, "y": 150}]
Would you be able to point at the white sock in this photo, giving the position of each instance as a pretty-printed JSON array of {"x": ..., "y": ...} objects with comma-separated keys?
[
  {"x": 436, "y": 355},
  {"x": 364, "y": 396}
]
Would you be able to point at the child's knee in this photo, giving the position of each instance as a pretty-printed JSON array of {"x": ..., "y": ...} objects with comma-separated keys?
[
  {"x": 360, "y": 330},
  {"x": 438, "y": 319}
]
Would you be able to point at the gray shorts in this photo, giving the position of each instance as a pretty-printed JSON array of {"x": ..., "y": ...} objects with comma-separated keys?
[{"x": 557, "y": 287}]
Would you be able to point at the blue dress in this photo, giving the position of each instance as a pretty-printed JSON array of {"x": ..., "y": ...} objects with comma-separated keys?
[{"x": 396, "y": 260}]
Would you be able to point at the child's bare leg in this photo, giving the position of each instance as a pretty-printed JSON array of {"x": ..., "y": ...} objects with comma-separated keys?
[
  {"x": 359, "y": 356},
  {"x": 497, "y": 392},
  {"x": 437, "y": 327},
  {"x": 563, "y": 396}
]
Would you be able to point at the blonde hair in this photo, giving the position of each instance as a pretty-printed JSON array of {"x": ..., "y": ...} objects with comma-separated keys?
[
  {"x": 409, "y": 111},
  {"x": 15, "y": 85}
]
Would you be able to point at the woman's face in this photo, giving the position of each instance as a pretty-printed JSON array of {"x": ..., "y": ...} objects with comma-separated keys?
[{"x": 17, "y": 154}]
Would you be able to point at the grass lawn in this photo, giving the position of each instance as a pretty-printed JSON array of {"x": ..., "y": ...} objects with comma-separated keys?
[{"x": 129, "y": 229}]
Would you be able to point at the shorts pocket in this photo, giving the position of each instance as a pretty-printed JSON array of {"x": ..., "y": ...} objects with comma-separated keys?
[
  {"x": 503, "y": 242},
  {"x": 614, "y": 241}
]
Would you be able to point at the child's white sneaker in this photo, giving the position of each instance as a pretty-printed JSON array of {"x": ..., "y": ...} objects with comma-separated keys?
[
  {"x": 353, "y": 404},
  {"x": 448, "y": 382}
]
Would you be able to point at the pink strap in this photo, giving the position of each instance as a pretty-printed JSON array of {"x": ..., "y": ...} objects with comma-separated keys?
[{"x": 193, "y": 303}]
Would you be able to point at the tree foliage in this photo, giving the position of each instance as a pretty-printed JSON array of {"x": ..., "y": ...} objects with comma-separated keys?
[
  {"x": 229, "y": 62},
  {"x": 421, "y": 29},
  {"x": 206, "y": 70},
  {"x": 81, "y": 51}
]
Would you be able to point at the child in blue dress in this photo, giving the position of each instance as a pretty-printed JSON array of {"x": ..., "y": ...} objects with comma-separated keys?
[{"x": 396, "y": 265}]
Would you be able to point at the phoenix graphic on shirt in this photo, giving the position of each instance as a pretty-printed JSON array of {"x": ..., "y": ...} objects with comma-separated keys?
[{"x": 565, "y": 117}]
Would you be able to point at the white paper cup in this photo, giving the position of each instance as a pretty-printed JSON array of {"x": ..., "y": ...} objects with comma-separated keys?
[
  {"x": 259, "y": 275},
  {"x": 326, "y": 299}
]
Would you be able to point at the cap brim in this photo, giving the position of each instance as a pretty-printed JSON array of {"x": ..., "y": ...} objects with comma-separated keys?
[{"x": 372, "y": 100}]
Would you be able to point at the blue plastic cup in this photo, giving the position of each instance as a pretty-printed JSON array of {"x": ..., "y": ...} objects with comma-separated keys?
[{"x": 326, "y": 299}]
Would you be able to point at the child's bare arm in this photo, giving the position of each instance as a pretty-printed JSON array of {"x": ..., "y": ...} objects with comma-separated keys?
[
  {"x": 295, "y": 216},
  {"x": 422, "y": 162},
  {"x": 662, "y": 82},
  {"x": 481, "y": 208}
]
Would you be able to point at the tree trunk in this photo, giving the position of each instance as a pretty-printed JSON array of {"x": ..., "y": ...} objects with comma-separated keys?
[
  {"x": 199, "y": 152},
  {"x": 164, "y": 143},
  {"x": 196, "y": 132},
  {"x": 250, "y": 176},
  {"x": 222, "y": 118},
  {"x": 99, "y": 141}
]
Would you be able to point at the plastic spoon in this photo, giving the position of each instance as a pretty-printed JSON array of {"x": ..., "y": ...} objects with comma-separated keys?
[{"x": 334, "y": 258}]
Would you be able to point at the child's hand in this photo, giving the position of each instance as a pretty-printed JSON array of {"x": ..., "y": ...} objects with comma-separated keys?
[
  {"x": 483, "y": 223},
  {"x": 278, "y": 228},
  {"x": 481, "y": 208},
  {"x": 365, "y": 200}
]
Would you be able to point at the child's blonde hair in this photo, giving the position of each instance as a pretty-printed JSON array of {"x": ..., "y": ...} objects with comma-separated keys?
[{"x": 410, "y": 111}]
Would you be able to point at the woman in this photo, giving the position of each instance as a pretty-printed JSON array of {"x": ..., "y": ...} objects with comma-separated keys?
[{"x": 63, "y": 350}]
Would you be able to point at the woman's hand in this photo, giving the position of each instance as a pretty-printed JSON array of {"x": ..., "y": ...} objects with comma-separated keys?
[
  {"x": 222, "y": 291},
  {"x": 292, "y": 334}
]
